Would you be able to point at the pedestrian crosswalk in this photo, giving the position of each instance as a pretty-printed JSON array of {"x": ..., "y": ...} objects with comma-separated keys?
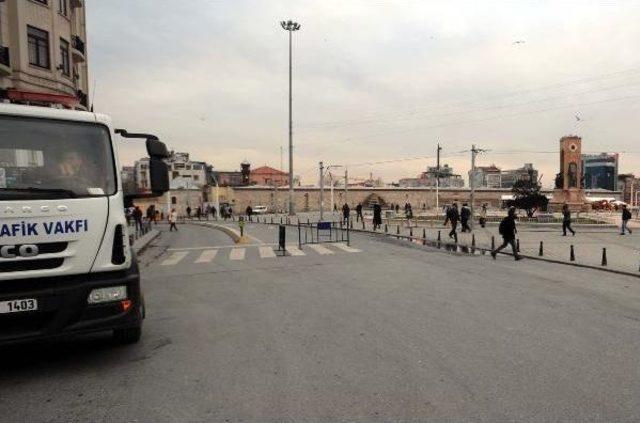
[{"x": 204, "y": 255}]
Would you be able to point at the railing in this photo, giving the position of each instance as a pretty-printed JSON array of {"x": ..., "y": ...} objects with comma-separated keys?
[
  {"x": 4, "y": 56},
  {"x": 78, "y": 44}
]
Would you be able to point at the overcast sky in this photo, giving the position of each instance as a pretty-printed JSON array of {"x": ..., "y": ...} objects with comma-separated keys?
[{"x": 373, "y": 81}]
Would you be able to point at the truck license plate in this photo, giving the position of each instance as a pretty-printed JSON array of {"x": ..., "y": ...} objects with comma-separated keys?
[{"x": 18, "y": 306}]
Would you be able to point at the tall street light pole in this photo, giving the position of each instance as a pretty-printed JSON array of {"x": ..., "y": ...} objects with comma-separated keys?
[{"x": 290, "y": 26}]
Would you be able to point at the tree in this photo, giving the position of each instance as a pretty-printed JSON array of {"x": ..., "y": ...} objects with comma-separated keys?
[{"x": 528, "y": 196}]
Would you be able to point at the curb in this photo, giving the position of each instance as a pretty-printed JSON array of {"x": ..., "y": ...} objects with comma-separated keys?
[
  {"x": 232, "y": 233},
  {"x": 142, "y": 242}
]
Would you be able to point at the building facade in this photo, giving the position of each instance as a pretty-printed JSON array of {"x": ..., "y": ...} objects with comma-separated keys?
[
  {"x": 268, "y": 176},
  {"x": 430, "y": 178},
  {"x": 629, "y": 185},
  {"x": 495, "y": 178},
  {"x": 600, "y": 171},
  {"x": 182, "y": 169},
  {"x": 43, "y": 53}
]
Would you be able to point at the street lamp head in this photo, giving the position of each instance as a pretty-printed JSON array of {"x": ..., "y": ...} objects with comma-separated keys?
[{"x": 290, "y": 25}]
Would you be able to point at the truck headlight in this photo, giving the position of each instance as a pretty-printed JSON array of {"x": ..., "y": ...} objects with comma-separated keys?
[{"x": 104, "y": 295}]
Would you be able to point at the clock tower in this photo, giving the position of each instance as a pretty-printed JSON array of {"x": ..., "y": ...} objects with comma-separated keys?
[{"x": 569, "y": 188}]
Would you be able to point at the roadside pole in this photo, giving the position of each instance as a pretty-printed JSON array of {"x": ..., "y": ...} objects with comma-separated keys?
[
  {"x": 346, "y": 185},
  {"x": 321, "y": 191},
  {"x": 472, "y": 184}
]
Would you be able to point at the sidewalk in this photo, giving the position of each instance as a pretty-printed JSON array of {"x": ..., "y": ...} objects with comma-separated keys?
[{"x": 623, "y": 252}]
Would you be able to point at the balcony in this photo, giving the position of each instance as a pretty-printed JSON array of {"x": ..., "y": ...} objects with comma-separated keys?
[
  {"x": 78, "y": 49},
  {"x": 83, "y": 98},
  {"x": 5, "y": 62}
]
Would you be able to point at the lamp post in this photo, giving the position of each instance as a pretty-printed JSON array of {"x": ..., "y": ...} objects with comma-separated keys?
[{"x": 290, "y": 26}]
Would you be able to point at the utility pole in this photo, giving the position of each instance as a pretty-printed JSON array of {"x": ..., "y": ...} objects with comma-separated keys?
[
  {"x": 321, "y": 191},
  {"x": 474, "y": 153},
  {"x": 346, "y": 184},
  {"x": 290, "y": 26},
  {"x": 438, "y": 180},
  {"x": 331, "y": 206}
]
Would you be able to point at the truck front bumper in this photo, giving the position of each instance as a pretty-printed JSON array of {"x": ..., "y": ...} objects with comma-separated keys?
[{"x": 63, "y": 309}]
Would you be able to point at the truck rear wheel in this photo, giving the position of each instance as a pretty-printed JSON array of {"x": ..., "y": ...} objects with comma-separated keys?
[{"x": 128, "y": 335}]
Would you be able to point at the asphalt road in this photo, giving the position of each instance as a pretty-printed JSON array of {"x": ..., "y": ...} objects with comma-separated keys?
[{"x": 378, "y": 332}]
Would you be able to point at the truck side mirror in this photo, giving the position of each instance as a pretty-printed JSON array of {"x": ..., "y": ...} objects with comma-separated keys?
[
  {"x": 157, "y": 149},
  {"x": 158, "y": 175}
]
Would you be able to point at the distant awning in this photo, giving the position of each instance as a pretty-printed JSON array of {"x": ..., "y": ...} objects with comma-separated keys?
[
  {"x": 596, "y": 199},
  {"x": 66, "y": 100}
]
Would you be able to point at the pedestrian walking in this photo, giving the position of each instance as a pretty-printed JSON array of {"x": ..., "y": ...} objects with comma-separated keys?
[
  {"x": 626, "y": 216},
  {"x": 483, "y": 215},
  {"x": 566, "y": 221},
  {"x": 189, "y": 212},
  {"x": 359, "y": 213},
  {"x": 214, "y": 212},
  {"x": 408, "y": 211},
  {"x": 397, "y": 208},
  {"x": 199, "y": 213},
  {"x": 453, "y": 216},
  {"x": 377, "y": 216},
  {"x": 508, "y": 231},
  {"x": 137, "y": 217},
  {"x": 465, "y": 214},
  {"x": 249, "y": 211},
  {"x": 346, "y": 212},
  {"x": 173, "y": 218}
]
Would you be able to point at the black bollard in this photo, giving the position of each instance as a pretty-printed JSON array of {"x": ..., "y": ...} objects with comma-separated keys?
[
  {"x": 386, "y": 228},
  {"x": 604, "y": 256},
  {"x": 272, "y": 220},
  {"x": 410, "y": 231},
  {"x": 439, "y": 236},
  {"x": 424, "y": 236},
  {"x": 572, "y": 254},
  {"x": 493, "y": 243},
  {"x": 541, "y": 251},
  {"x": 363, "y": 225},
  {"x": 473, "y": 240},
  {"x": 518, "y": 245},
  {"x": 281, "y": 220},
  {"x": 398, "y": 231}
]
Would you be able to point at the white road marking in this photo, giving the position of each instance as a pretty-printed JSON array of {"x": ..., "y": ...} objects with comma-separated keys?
[
  {"x": 345, "y": 247},
  {"x": 295, "y": 251},
  {"x": 320, "y": 249},
  {"x": 212, "y": 247},
  {"x": 237, "y": 254},
  {"x": 266, "y": 252},
  {"x": 174, "y": 258},
  {"x": 207, "y": 256}
]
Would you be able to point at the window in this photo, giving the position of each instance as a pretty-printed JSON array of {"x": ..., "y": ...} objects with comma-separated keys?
[
  {"x": 174, "y": 200},
  {"x": 38, "y": 47},
  {"x": 62, "y": 7},
  {"x": 65, "y": 65},
  {"x": 45, "y": 2}
]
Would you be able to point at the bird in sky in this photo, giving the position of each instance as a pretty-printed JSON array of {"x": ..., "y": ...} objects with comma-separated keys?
[
  {"x": 519, "y": 42},
  {"x": 578, "y": 119}
]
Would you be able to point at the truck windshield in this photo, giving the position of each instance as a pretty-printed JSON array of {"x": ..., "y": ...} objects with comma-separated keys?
[{"x": 49, "y": 159}]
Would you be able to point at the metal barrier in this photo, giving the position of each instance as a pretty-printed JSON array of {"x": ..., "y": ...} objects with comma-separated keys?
[{"x": 322, "y": 232}]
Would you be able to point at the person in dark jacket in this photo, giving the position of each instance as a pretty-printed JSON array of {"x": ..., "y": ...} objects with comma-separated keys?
[
  {"x": 566, "y": 221},
  {"x": 346, "y": 213},
  {"x": 465, "y": 214},
  {"x": 189, "y": 212},
  {"x": 508, "y": 231},
  {"x": 249, "y": 212},
  {"x": 358, "y": 212},
  {"x": 377, "y": 216},
  {"x": 626, "y": 216},
  {"x": 453, "y": 216}
]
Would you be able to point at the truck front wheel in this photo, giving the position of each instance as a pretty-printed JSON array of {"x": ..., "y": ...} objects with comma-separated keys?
[{"x": 128, "y": 335}]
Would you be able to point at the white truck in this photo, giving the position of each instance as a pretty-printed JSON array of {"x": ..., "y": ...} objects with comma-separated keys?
[{"x": 66, "y": 266}]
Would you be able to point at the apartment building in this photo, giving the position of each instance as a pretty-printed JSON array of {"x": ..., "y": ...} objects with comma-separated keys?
[
  {"x": 182, "y": 172},
  {"x": 43, "y": 54},
  {"x": 600, "y": 171}
]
